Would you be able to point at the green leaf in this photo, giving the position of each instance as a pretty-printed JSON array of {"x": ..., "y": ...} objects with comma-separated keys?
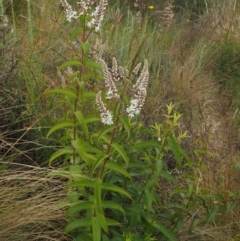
[
  {"x": 160, "y": 227},
  {"x": 126, "y": 123},
  {"x": 60, "y": 152},
  {"x": 83, "y": 222},
  {"x": 112, "y": 205},
  {"x": 159, "y": 166},
  {"x": 80, "y": 147},
  {"x": 133, "y": 213},
  {"x": 113, "y": 166},
  {"x": 75, "y": 169},
  {"x": 175, "y": 206},
  {"x": 185, "y": 155},
  {"x": 83, "y": 183},
  {"x": 114, "y": 188},
  {"x": 215, "y": 196},
  {"x": 103, "y": 222},
  {"x": 121, "y": 151},
  {"x": 96, "y": 229},
  {"x": 93, "y": 65},
  {"x": 211, "y": 214},
  {"x": 81, "y": 119},
  {"x": 118, "y": 148},
  {"x": 87, "y": 95},
  {"x": 146, "y": 144},
  {"x": 149, "y": 199},
  {"x": 111, "y": 222},
  {"x": 231, "y": 206},
  {"x": 80, "y": 206},
  {"x": 194, "y": 223},
  {"x": 175, "y": 149},
  {"x": 76, "y": 32},
  {"x": 200, "y": 199},
  {"x": 61, "y": 125},
  {"x": 86, "y": 48},
  {"x": 98, "y": 195},
  {"x": 168, "y": 177},
  {"x": 82, "y": 237},
  {"x": 69, "y": 64},
  {"x": 72, "y": 196},
  {"x": 97, "y": 163},
  {"x": 68, "y": 174},
  {"x": 66, "y": 92},
  {"x": 90, "y": 119},
  {"x": 178, "y": 225},
  {"x": 105, "y": 237},
  {"x": 101, "y": 135}
]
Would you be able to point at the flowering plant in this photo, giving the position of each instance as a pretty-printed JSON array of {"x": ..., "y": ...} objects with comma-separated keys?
[{"x": 115, "y": 163}]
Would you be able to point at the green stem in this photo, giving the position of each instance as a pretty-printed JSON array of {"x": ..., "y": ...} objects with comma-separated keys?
[{"x": 82, "y": 40}]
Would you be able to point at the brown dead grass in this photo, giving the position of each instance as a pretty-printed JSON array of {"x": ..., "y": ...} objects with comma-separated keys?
[{"x": 31, "y": 205}]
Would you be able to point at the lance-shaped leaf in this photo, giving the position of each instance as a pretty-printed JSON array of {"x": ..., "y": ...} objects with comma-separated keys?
[
  {"x": 211, "y": 214},
  {"x": 176, "y": 151},
  {"x": 60, "y": 152},
  {"x": 146, "y": 144},
  {"x": 76, "y": 32},
  {"x": 81, "y": 119},
  {"x": 231, "y": 206},
  {"x": 105, "y": 131},
  {"x": 112, "y": 222},
  {"x": 82, "y": 237},
  {"x": 112, "y": 205},
  {"x": 126, "y": 123},
  {"x": 90, "y": 119},
  {"x": 194, "y": 223},
  {"x": 114, "y": 188},
  {"x": 83, "y": 222},
  {"x": 113, "y": 166},
  {"x": 88, "y": 95},
  {"x": 69, "y": 63},
  {"x": 96, "y": 229},
  {"x": 87, "y": 152},
  {"x": 98, "y": 204},
  {"x": 93, "y": 65},
  {"x": 98, "y": 163},
  {"x": 86, "y": 48},
  {"x": 83, "y": 183},
  {"x": 168, "y": 177},
  {"x": 66, "y": 92},
  {"x": 59, "y": 126},
  {"x": 80, "y": 206},
  {"x": 117, "y": 148},
  {"x": 160, "y": 227}
]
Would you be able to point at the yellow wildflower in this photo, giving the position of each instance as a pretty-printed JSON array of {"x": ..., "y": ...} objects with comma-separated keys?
[{"x": 151, "y": 7}]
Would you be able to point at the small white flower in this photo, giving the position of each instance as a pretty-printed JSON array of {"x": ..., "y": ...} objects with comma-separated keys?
[
  {"x": 69, "y": 12},
  {"x": 106, "y": 116},
  {"x": 62, "y": 78}
]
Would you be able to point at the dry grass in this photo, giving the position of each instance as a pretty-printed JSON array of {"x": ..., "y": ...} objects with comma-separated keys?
[{"x": 31, "y": 206}]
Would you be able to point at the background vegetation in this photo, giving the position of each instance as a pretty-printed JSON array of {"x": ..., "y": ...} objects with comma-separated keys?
[{"x": 193, "y": 55}]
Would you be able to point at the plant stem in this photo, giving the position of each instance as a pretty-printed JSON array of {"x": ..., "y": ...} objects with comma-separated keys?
[
  {"x": 115, "y": 128},
  {"x": 82, "y": 40}
]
